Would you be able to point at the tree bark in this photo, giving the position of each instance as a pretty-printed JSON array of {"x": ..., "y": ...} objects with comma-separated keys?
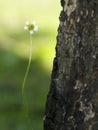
[{"x": 72, "y": 102}]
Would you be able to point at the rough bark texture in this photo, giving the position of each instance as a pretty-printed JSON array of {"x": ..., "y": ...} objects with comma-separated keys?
[{"x": 72, "y": 103}]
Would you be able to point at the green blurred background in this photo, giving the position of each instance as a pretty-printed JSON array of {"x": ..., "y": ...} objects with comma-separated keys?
[{"x": 14, "y": 53}]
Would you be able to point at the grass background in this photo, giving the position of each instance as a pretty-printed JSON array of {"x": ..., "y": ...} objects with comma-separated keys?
[{"x": 14, "y": 52}]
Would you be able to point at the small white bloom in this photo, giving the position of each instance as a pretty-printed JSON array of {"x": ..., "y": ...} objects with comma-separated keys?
[{"x": 31, "y": 27}]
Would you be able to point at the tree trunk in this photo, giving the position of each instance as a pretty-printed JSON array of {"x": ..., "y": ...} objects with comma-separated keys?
[{"x": 72, "y": 103}]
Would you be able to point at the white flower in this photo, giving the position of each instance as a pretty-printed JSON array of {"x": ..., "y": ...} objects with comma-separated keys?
[{"x": 31, "y": 26}]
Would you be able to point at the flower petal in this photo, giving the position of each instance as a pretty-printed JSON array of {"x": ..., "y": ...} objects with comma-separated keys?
[
  {"x": 35, "y": 28},
  {"x": 27, "y": 23},
  {"x": 25, "y": 27},
  {"x": 31, "y": 32},
  {"x": 33, "y": 22}
]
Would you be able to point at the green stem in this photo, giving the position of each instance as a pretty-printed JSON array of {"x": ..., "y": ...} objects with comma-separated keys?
[{"x": 25, "y": 105}]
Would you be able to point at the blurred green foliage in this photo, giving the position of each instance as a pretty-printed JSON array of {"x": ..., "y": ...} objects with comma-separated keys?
[{"x": 14, "y": 53}]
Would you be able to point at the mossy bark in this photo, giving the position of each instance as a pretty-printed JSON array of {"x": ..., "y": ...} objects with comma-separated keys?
[{"x": 72, "y": 102}]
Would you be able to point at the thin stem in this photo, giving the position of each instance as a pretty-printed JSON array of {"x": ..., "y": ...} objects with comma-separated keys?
[{"x": 25, "y": 105}]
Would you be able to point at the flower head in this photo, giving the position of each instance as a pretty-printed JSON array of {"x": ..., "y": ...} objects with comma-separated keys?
[{"x": 31, "y": 26}]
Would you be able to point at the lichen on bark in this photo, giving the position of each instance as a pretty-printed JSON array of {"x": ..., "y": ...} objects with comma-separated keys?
[{"x": 72, "y": 103}]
